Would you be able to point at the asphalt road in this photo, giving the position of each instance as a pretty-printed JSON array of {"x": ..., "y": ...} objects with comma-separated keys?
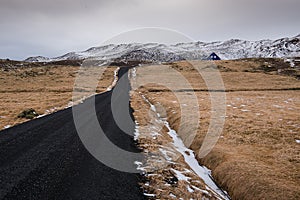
[{"x": 45, "y": 159}]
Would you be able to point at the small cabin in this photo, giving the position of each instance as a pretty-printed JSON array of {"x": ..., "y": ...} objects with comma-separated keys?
[{"x": 213, "y": 56}]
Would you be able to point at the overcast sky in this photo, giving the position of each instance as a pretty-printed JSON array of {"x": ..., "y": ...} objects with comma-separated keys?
[{"x": 54, "y": 27}]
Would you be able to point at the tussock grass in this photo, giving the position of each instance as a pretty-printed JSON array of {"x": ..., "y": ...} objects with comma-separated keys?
[
  {"x": 43, "y": 87},
  {"x": 257, "y": 156}
]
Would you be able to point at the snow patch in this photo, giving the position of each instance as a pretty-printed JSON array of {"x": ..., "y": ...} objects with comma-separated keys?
[
  {"x": 172, "y": 195},
  {"x": 7, "y": 126},
  {"x": 149, "y": 195},
  {"x": 189, "y": 189},
  {"x": 244, "y": 110},
  {"x": 277, "y": 106},
  {"x": 291, "y": 61},
  {"x": 180, "y": 176},
  {"x": 114, "y": 81},
  {"x": 189, "y": 157},
  {"x": 136, "y": 131}
]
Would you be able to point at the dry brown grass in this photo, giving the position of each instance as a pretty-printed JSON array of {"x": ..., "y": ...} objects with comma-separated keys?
[
  {"x": 44, "y": 88},
  {"x": 257, "y": 156},
  {"x": 160, "y": 178},
  {"x": 236, "y": 75}
]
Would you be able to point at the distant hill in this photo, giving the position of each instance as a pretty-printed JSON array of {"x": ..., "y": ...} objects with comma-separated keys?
[{"x": 226, "y": 50}]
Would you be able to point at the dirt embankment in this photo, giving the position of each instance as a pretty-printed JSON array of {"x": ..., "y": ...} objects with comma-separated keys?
[
  {"x": 257, "y": 155},
  {"x": 168, "y": 172}
]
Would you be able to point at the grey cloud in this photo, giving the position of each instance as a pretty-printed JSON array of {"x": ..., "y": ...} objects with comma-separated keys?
[{"x": 54, "y": 27}]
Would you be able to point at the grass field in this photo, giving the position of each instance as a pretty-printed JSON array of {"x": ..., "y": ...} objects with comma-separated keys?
[
  {"x": 45, "y": 88},
  {"x": 257, "y": 155}
]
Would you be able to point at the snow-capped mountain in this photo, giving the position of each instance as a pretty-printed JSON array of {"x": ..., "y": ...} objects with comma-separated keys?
[
  {"x": 231, "y": 49},
  {"x": 38, "y": 59}
]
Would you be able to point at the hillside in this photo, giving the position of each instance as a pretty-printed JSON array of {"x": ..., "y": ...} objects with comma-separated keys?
[{"x": 227, "y": 50}]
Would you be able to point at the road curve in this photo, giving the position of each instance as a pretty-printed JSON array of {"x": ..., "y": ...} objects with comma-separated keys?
[{"x": 45, "y": 159}]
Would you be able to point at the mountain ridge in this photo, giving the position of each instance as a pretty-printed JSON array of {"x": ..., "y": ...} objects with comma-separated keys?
[{"x": 227, "y": 50}]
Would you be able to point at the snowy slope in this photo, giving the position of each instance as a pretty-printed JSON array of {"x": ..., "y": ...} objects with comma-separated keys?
[
  {"x": 38, "y": 59},
  {"x": 231, "y": 49}
]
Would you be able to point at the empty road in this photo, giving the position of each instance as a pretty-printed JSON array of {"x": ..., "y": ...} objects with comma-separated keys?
[{"x": 45, "y": 159}]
